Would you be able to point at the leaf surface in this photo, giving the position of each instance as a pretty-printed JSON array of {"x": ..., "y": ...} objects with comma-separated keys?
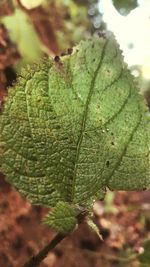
[
  {"x": 75, "y": 125},
  {"x": 62, "y": 218}
]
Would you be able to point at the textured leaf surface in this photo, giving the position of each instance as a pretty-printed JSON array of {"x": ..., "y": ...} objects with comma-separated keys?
[
  {"x": 62, "y": 218},
  {"x": 72, "y": 127}
]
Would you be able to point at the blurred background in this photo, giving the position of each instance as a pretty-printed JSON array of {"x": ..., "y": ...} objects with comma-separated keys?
[{"x": 30, "y": 29}]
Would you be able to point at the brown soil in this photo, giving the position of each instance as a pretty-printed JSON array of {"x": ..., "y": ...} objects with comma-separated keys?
[{"x": 22, "y": 234}]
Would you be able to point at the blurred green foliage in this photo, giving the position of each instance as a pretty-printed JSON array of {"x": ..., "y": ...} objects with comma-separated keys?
[
  {"x": 109, "y": 206},
  {"x": 23, "y": 34},
  {"x": 74, "y": 21},
  {"x": 144, "y": 258},
  {"x": 70, "y": 22}
]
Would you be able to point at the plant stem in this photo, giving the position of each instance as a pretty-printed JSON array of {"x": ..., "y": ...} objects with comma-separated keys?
[{"x": 35, "y": 261}]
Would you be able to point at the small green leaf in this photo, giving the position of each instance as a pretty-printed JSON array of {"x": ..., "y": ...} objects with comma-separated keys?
[
  {"x": 125, "y": 6},
  {"x": 63, "y": 218}
]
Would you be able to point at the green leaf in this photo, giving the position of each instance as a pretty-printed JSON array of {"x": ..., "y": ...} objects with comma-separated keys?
[
  {"x": 62, "y": 218},
  {"x": 125, "y": 6},
  {"x": 73, "y": 126}
]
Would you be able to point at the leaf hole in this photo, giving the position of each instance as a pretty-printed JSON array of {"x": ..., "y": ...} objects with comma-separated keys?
[
  {"x": 34, "y": 158},
  {"x": 107, "y": 163},
  {"x": 57, "y": 127},
  {"x": 102, "y": 34}
]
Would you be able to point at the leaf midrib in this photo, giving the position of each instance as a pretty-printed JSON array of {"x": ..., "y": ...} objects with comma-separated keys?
[{"x": 84, "y": 119}]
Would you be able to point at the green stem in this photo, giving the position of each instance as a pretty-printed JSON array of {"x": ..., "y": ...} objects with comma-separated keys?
[{"x": 35, "y": 261}]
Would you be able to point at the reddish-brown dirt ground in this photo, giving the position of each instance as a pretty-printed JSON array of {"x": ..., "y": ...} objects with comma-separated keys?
[{"x": 124, "y": 231}]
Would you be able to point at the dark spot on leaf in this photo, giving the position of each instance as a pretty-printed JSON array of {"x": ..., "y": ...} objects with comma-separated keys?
[
  {"x": 144, "y": 188},
  {"x": 2, "y": 146},
  {"x": 112, "y": 143},
  {"x": 57, "y": 58},
  {"x": 93, "y": 45},
  {"x": 65, "y": 138},
  {"x": 102, "y": 34},
  {"x": 57, "y": 127},
  {"x": 28, "y": 135},
  {"x": 70, "y": 50},
  {"x": 34, "y": 158},
  {"x": 94, "y": 59},
  {"x": 107, "y": 163}
]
